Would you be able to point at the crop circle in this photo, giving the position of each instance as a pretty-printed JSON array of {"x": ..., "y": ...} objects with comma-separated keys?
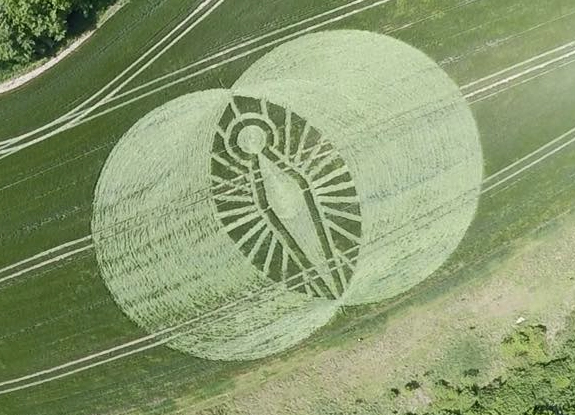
[{"x": 341, "y": 168}]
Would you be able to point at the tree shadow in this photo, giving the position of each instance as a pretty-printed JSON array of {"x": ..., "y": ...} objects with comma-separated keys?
[{"x": 85, "y": 16}]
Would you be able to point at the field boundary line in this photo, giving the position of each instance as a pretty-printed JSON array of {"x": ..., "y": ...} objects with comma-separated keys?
[
  {"x": 193, "y": 320},
  {"x": 45, "y": 253},
  {"x": 24, "y": 78},
  {"x": 47, "y": 262},
  {"x": 70, "y": 114}
]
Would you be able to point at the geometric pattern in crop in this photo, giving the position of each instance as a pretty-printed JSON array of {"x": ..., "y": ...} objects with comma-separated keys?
[
  {"x": 285, "y": 197},
  {"x": 341, "y": 168}
]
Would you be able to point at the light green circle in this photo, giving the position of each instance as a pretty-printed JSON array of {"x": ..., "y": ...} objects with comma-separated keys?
[
  {"x": 252, "y": 139},
  {"x": 407, "y": 135}
]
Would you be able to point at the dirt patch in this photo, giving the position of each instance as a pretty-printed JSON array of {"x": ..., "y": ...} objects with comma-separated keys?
[{"x": 535, "y": 286}]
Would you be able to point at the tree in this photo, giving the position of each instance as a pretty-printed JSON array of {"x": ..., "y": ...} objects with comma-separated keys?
[{"x": 30, "y": 29}]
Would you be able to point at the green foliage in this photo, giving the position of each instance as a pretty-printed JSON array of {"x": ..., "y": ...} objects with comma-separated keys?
[
  {"x": 30, "y": 29},
  {"x": 221, "y": 409},
  {"x": 453, "y": 398},
  {"x": 536, "y": 382},
  {"x": 466, "y": 361},
  {"x": 526, "y": 346}
]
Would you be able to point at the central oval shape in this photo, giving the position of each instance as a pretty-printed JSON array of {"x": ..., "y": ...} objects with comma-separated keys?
[{"x": 285, "y": 197}]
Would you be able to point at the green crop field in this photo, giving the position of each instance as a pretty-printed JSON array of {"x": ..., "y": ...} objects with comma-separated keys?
[{"x": 125, "y": 225}]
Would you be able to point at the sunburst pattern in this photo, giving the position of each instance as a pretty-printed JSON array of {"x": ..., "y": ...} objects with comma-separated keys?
[{"x": 250, "y": 214}]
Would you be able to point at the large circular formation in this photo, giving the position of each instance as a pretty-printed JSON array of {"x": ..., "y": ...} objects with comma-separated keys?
[{"x": 342, "y": 168}]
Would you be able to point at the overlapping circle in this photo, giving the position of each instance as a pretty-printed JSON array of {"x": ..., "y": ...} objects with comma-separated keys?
[{"x": 342, "y": 168}]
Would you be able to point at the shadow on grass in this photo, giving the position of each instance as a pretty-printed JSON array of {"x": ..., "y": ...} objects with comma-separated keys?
[{"x": 83, "y": 19}]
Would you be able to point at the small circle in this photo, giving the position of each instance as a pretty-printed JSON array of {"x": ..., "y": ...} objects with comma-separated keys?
[{"x": 252, "y": 139}]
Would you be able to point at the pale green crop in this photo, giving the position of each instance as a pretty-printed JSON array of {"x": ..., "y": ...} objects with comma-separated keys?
[{"x": 342, "y": 168}]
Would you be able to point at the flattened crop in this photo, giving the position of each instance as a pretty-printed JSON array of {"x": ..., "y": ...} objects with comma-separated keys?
[{"x": 343, "y": 167}]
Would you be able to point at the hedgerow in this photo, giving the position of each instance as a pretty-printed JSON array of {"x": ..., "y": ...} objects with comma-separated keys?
[{"x": 32, "y": 29}]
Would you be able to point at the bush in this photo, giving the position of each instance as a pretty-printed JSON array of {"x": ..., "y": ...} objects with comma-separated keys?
[{"x": 31, "y": 29}]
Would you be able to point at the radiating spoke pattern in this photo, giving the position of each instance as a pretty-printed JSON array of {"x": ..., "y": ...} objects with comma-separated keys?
[{"x": 286, "y": 197}]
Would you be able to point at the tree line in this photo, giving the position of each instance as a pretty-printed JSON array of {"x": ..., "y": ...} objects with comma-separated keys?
[{"x": 32, "y": 29}]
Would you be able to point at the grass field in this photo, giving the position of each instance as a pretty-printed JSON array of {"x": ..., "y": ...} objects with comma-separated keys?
[{"x": 66, "y": 347}]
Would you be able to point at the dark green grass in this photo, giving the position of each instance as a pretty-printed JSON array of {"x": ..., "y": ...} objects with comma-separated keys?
[{"x": 56, "y": 315}]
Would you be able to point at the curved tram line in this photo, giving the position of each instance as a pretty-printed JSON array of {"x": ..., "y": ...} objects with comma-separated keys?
[
  {"x": 482, "y": 92},
  {"x": 477, "y": 94},
  {"x": 77, "y": 113},
  {"x": 76, "y": 116},
  {"x": 169, "y": 334},
  {"x": 73, "y": 113}
]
